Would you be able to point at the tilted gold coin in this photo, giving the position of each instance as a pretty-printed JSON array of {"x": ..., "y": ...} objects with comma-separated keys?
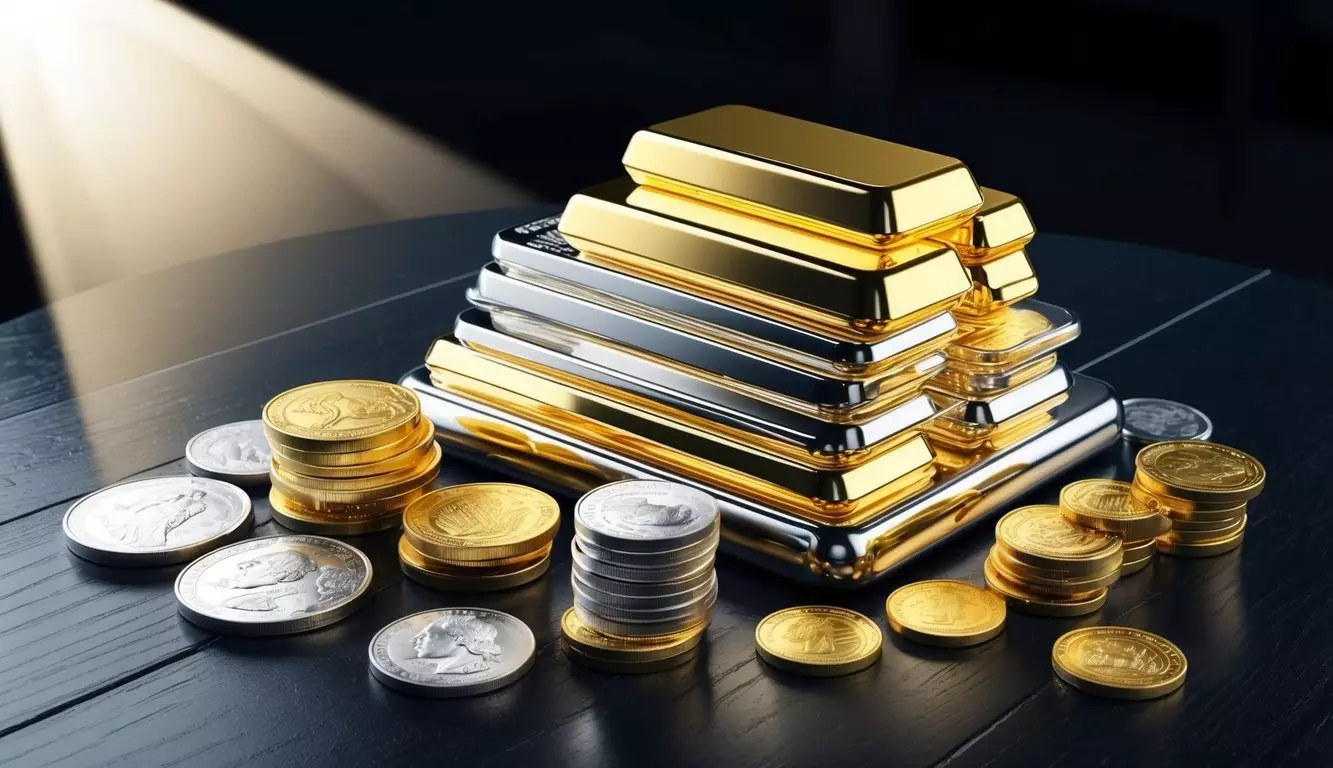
[
  {"x": 1199, "y": 471},
  {"x": 622, "y": 667},
  {"x": 818, "y": 640},
  {"x": 945, "y": 612},
  {"x": 1133, "y": 550},
  {"x": 1107, "y": 506},
  {"x": 632, "y": 653},
  {"x": 1119, "y": 662},
  {"x": 1211, "y": 549},
  {"x": 1038, "y": 605},
  {"x": 1177, "y": 508},
  {"x": 341, "y": 416},
  {"x": 1197, "y": 526},
  {"x": 1041, "y": 537},
  {"x": 481, "y": 521}
]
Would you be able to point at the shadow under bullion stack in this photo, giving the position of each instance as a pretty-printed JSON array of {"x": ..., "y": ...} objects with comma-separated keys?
[{"x": 830, "y": 334}]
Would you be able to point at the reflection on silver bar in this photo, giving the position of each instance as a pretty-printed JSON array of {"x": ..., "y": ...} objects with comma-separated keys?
[
  {"x": 850, "y": 556},
  {"x": 581, "y": 355},
  {"x": 495, "y": 289},
  {"x": 537, "y": 253},
  {"x": 995, "y": 409}
]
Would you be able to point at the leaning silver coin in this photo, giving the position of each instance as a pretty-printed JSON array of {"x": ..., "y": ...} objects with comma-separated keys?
[
  {"x": 1153, "y": 420},
  {"x": 645, "y": 516},
  {"x": 277, "y": 585},
  {"x": 237, "y": 452},
  {"x": 452, "y": 652},
  {"x": 157, "y": 521}
]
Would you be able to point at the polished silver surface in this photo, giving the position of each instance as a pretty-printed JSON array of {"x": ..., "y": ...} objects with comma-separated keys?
[
  {"x": 641, "y": 589},
  {"x": 803, "y": 550},
  {"x": 1152, "y": 420},
  {"x": 994, "y": 409},
  {"x": 587, "y": 356},
  {"x": 665, "y": 558},
  {"x": 536, "y": 252},
  {"x": 591, "y": 615},
  {"x": 157, "y": 521},
  {"x": 646, "y": 517},
  {"x": 495, "y": 290},
  {"x": 682, "y": 571},
  {"x": 452, "y": 652},
  {"x": 237, "y": 452},
  {"x": 993, "y": 382},
  {"x": 694, "y": 608},
  {"x": 611, "y": 593}
]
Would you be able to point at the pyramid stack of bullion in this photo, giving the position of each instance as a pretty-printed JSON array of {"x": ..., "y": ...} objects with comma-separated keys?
[
  {"x": 1002, "y": 367},
  {"x": 757, "y": 309},
  {"x": 348, "y": 456}
]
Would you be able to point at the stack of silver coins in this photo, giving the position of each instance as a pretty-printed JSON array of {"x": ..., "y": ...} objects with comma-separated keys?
[{"x": 643, "y": 559}]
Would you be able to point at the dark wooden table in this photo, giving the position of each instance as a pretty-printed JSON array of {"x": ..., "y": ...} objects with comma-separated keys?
[{"x": 97, "y": 668}]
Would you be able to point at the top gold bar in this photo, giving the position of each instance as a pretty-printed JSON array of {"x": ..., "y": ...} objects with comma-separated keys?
[
  {"x": 841, "y": 184},
  {"x": 1000, "y": 227}
]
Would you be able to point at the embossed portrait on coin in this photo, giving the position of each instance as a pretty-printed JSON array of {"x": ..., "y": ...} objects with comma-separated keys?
[
  {"x": 332, "y": 409},
  {"x": 241, "y": 453},
  {"x": 640, "y": 511},
  {"x": 1161, "y": 419},
  {"x": 261, "y": 581},
  {"x": 1122, "y": 659},
  {"x": 1202, "y": 466},
  {"x": 818, "y": 634},
  {"x": 461, "y": 644},
  {"x": 147, "y": 522},
  {"x": 939, "y": 606}
]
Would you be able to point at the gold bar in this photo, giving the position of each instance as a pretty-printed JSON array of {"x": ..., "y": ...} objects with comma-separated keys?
[
  {"x": 841, "y": 184},
  {"x": 1001, "y": 226},
  {"x": 706, "y": 454},
  {"x": 957, "y": 435},
  {"x": 775, "y": 271},
  {"x": 966, "y": 384},
  {"x": 1010, "y": 337},
  {"x": 997, "y": 284}
]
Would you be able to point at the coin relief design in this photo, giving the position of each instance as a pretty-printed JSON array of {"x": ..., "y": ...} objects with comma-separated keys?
[
  {"x": 452, "y": 651},
  {"x": 485, "y": 513},
  {"x": 942, "y": 606},
  {"x": 1164, "y": 420},
  {"x": 1044, "y": 531},
  {"x": 1018, "y": 326},
  {"x": 1110, "y": 498},
  {"x": 238, "y": 448},
  {"x": 458, "y": 644},
  {"x": 1202, "y": 465},
  {"x": 1120, "y": 657},
  {"x": 647, "y": 509},
  {"x": 342, "y": 409},
  {"x": 817, "y": 636},
  {"x": 160, "y": 512}
]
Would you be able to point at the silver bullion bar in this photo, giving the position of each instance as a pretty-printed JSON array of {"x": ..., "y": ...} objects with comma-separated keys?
[
  {"x": 799, "y": 549},
  {"x": 993, "y": 409},
  {"x": 496, "y": 290},
  {"x": 590, "y": 358},
  {"x": 537, "y": 253}
]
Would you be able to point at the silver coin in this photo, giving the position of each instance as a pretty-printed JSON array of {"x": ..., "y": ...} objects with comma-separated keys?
[
  {"x": 237, "y": 452},
  {"x": 157, "y": 520},
  {"x": 640, "y": 602},
  {"x": 276, "y": 585},
  {"x": 640, "y": 575},
  {"x": 638, "y": 588},
  {"x": 1153, "y": 420},
  {"x": 662, "y": 559},
  {"x": 621, "y": 628},
  {"x": 452, "y": 652},
  {"x": 645, "y": 516},
  {"x": 694, "y": 607}
]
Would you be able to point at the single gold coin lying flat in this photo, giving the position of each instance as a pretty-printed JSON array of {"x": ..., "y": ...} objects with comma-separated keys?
[
  {"x": 818, "y": 640},
  {"x": 1131, "y": 568},
  {"x": 408, "y": 555},
  {"x": 481, "y": 521},
  {"x": 1199, "y": 471},
  {"x": 946, "y": 613},
  {"x": 1119, "y": 662},
  {"x": 1041, "y": 537},
  {"x": 631, "y": 653},
  {"x": 622, "y": 667},
  {"x": 1107, "y": 506},
  {"x": 341, "y": 416},
  {"x": 1133, "y": 550},
  {"x": 1020, "y": 599}
]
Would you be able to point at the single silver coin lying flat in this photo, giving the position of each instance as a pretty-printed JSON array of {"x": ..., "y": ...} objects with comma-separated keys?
[
  {"x": 237, "y": 452},
  {"x": 452, "y": 652},
  {"x": 276, "y": 585},
  {"x": 645, "y": 516},
  {"x": 1153, "y": 420},
  {"x": 157, "y": 520}
]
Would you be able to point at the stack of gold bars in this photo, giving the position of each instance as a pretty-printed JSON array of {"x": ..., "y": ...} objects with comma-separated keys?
[
  {"x": 348, "y": 456},
  {"x": 1204, "y": 488},
  {"x": 479, "y": 537},
  {"x": 1044, "y": 564},
  {"x": 765, "y": 310}
]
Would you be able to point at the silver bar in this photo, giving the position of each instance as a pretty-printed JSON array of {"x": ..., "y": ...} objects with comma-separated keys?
[
  {"x": 994, "y": 409},
  {"x": 850, "y": 556},
  {"x": 494, "y": 289},
  {"x": 581, "y": 355},
  {"x": 537, "y": 253}
]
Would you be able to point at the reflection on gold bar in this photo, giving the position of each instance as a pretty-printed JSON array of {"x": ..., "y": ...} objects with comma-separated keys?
[
  {"x": 706, "y": 454},
  {"x": 1011, "y": 337},
  {"x": 999, "y": 283},
  {"x": 696, "y": 247},
  {"x": 841, "y": 184},
  {"x": 958, "y": 435},
  {"x": 1001, "y": 226},
  {"x": 965, "y": 383}
]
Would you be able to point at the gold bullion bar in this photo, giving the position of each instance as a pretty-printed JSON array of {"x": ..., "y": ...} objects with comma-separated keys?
[
  {"x": 766, "y": 268},
  {"x": 998, "y": 284},
  {"x": 856, "y": 188},
  {"x": 1010, "y": 337},
  {"x": 1002, "y": 225}
]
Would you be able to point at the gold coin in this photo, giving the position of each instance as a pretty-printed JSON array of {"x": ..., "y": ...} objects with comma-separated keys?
[
  {"x": 619, "y": 667},
  {"x": 1199, "y": 471},
  {"x": 1107, "y": 506},
  {"x": 1020, "y": 599},
  {"x": 341, "y": 416},
  {"x": 1133, "y": 550},
  {"x": 818, "y": 640},
  {"x": 281, "y": 469},
  {"x": 294, "y": 517},
  {"x": 1129, "y": 569},
  {"x": 412, "y": 556},
  {"x": 319, "y": 499},
  {"x": 1047, "y": 584},
  {"x": 603, "y": 647},
  {"x": 946, "y": 613},
  {"x": 1176, "y": 508},
  {"x": 1041, "y": 537},
  {"x": 1204, "y": 537},
  {"x": 468, "y": 582},
  {"x": 1210, "y": 549},
  {"x": 422, "y": 444},
  {"x": 1206, "y": 525},
  {"x": 353, "y": 462},
  {"x": 1119, "y": 662},
  {"x": 482, "y": 521}
]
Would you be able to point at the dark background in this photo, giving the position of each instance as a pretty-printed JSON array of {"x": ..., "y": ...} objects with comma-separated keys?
[{"x": 1190, "y": 124}]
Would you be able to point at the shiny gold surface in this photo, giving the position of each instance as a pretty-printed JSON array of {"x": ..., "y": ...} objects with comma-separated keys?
[
  {"x": 1042, "y": 581},
  {"x": 1006, "y": 339},
  {"x": 1041, "y": 537},
  {"x": 1167, "y": 546},
  {"x": 1000, "y": 226},
  {"x": 1119, "y": 662},
  {"x": 1197, "y": 470},
  {"x": 835, "y": 182},
  {"x": 945, "y": 613},
  {"x": 419, "y": 444},
  {"x": 997, "y": 284},
  {"x": 643, "y": 231},
  {"x": 966, "y": 436},
  {"x": 977, "y": 384},
  {"x": 481, "y": 521},
  {"x": 630, "y": 652},
  {"x": 354, "y": 463},
  {"x": 827, "y": 494},
  {"x": 818, "y": 640},
  {"x": 341, "y": 416},
  {"x": 377, "y": 484},
  {"x": 319, "y": 496},
  {"x": 1107, "y": 506},
  {"x": 1018, "y": 598},
  {"x": 1183, "y": 509},
  {"x": 431, "y": 575},
  {"x": 348, "y": 521}
]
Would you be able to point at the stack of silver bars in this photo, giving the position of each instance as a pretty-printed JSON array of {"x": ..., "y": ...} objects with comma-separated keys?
[{"x": 830, "y": 334}]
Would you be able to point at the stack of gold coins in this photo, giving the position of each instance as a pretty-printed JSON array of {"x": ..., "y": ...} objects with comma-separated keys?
[
  {"x": 1204, "y": 488},
  {"x": 479, "y": 538},
  {"x": 1043, "y": 564},
  {"x": 1108, "y": 505},
  {"x": 348, "y": 456}
]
